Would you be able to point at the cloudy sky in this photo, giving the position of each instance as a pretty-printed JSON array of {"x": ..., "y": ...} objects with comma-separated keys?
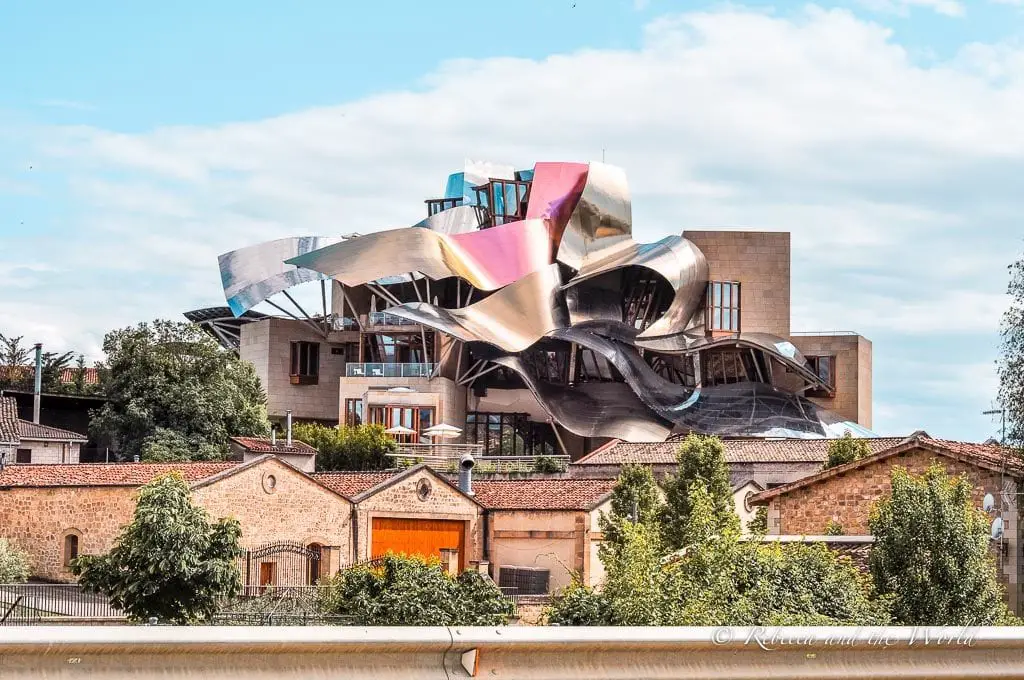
[{"x": 886, "y": 135}]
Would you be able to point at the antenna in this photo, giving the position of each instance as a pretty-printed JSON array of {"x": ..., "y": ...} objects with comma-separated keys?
[{"x": 602, "y": 155}]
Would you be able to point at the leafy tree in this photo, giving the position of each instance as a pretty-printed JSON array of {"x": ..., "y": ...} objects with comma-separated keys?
[
  {"x": 53, "y": 365},
  {"x": 168, "y": 376},
  {"x": 931, "y": 552},
  {"x": 14, "y": 360},
  {"x": 547, "y": 464},
  {"x": 846, "y": 449},
  {"x": 14, "y": 564},
  {"x": 1011, "y": 360},
  {"x": 412, "y": 591},
  {"x": 759, "y": 523},
  {"x": 701, "y": 461},
  {"x": 635, "y": 492},
  {"x": 578, "y": 605},
  {"x": 634, "y": 579},
  {"x": 348, "y": 447},
  {"x": 171, "y": 562}
]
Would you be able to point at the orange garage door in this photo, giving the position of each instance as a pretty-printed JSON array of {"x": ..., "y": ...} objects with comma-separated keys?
[{"x": 424, "y": 537}]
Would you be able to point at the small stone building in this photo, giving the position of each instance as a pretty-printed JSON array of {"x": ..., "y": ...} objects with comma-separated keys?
[
  {"x": 23, "y": 442},
  {"x": 298, "y": 454},
  {"x": 845, "y": 495}
]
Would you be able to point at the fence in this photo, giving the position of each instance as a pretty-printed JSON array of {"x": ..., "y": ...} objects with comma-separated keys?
[
  {"x": 385, "y": 370},
  {"x": 445, "y": 458},
  {"x": 34, "y": 603}
]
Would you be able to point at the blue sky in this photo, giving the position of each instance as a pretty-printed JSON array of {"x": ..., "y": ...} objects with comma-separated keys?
[{"x": 138, "y": 141}]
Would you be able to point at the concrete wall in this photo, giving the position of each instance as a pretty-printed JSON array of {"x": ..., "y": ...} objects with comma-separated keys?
[
  {"x": 446, "y": 397},
  {"x": 853, "y": 373},
  {"x": 760, "y": 261},
  {"x": 541, "y": 539},
  {"x": 49, "y": 451}
]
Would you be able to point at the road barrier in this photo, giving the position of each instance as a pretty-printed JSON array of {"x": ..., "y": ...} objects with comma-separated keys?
[{"x": 510, "y": 653}]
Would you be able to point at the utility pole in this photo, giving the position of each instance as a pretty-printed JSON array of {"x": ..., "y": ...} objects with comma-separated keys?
[{"x": 1002, "y": 426}]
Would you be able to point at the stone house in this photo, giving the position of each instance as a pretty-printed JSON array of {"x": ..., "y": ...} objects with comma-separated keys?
[
  {"x": 545, "y": 525},
  {"x": 845, "y": 494},
  {"x": 23, "y": 442},
  {"x": 297, "y": 454}
]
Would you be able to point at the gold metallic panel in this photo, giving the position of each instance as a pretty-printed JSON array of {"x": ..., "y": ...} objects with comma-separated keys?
[{"x": 602, "y": 221}]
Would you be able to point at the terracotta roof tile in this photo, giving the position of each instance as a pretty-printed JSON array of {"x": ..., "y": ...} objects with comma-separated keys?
[
  {"x": 29, "y": 430},
  {"x": 8, "y": 421},
  {"x": 263, "y": 445},
  {"x": 104, "y": 474},
  {"x": 542, "y": 494},
  {"x": 736, "y": 451},
  {"x": 353, "y": 483}
]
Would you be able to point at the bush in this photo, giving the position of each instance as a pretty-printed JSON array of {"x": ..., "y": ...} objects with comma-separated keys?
[
  {"x": 578, "y": 605},
  {"x": 14, "y": 564},
  {"x": 547, "y": 464},
  {"x": 845, "y": 450},
  {"x": 834, "y": 528},
  {"x": 412, "y": 591},
  {"x": 358, "y": 447}
]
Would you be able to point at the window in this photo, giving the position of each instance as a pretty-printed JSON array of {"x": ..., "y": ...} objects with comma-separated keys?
[
  {"x": 315, "y": 566},
  {"x": 417, "y": 418},
  {"x": 504, "y": 200},
  {"x": 70, "y": 548},
  {"x": 510, "y": 434},
  {"x": 352, "y": 352},
  {"x": 825, "y": 368},
  {"x": 305, "y": 365},
  {"x": 23, "y": 456},
  {"x": 723, "y": 308},
  {"x": 353, "y": 411},
  {"x": 436, "y": 205}
]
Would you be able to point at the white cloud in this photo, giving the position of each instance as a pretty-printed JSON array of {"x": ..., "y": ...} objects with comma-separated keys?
[
  {"x": 898, "y": 181},
  {"x": 951, "y": 8}
]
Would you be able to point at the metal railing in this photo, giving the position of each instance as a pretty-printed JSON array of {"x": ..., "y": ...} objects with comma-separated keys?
[
  {"x": 446, "y": 457},
  {"x": 806, "y": 333},
  {"x": 388, "y": 370},
  {"x": 33, "y": 603},
  {"x": 389, "y": 319}
]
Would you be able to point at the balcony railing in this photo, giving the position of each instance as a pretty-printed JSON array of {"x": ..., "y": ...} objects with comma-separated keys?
[
  {"x": 388, "y": 319},
  {"x": 388, "y": 370},
  {"x": 446, "y": 457}
]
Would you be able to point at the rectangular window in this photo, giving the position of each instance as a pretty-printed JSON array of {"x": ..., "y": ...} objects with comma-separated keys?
[
  {"x": 24, "y": 456},
  {"x": 723, "y": 307},
  {"x": 353, "y": 412},
  {"x": 825, "y": 368},
  {"x": 305, "y": 363}
]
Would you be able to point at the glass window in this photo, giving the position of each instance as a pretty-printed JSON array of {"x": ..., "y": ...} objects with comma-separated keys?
[
  {"x": 825, "y": 368},
  {"x": 723, "y": 306},
  {"x": 70, "y": 549},
  {"x": 305, "y": 360},
  {"x": 353, "y": 411}
]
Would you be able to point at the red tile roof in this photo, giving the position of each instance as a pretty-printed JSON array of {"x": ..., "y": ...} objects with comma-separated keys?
[
  {"x": 104, "y": 474},
  {"x": 8, "y": 421},
  {"x": 736, "y": 451},
  {"x": 30, "y": 430},
  {"x": 351, "y": 484},
  {"x": 262, "y": 445},
  {"x": 542, "y": 494},
  {"x": 67, "y": 375},
  {"x": 989, "y": 456}
]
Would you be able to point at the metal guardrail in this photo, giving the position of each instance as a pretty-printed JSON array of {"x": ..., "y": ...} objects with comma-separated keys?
[
  {"x": 511, "y": 652},
  {"x": 382, "y": 370},
  {"x": 388, "y": 319}
]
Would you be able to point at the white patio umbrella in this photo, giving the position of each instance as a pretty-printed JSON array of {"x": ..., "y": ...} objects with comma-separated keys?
[
  {"x": 400, "y": 429},
  {"x": 442, "y": 431}
]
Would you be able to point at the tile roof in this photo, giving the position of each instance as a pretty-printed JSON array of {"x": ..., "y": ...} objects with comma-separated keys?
[
  {"x": 736, "y": 451},
  {"x": 30, "y": 430},
  {"x": 263, "y": 445},
  {"x": 67, "y": 375},
  {"x": 8, "y": 421},
  {"x": 104, "y": 474},
  {"x": 989, "y": 456},
  {"x": 351, "y": 484},
  {"x": 542, "y": 494}
]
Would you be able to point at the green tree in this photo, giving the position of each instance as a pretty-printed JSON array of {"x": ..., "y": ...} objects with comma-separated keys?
[
  {"x": 578, "y": 605},
  {"x": 172, "y": 562},
  {"x": 701, "y": 461},
  {"x": 834, "y": 528},
  {"x": 51, "y": 370},
  {"x": 14, "y": 564},
  {"x": 758, "y": 524},
  {"x": 1011, "y": 360},
  {"x": 931, "y": 552},
  {"x": 14, "y": 360},
  {"x": 412, "y": 591},
  {"x": 846, "y": 449},
  {"x": 348, "y": 447},
  {"x": 635, "y": 492},
  {"x": 167, "y": 377}
]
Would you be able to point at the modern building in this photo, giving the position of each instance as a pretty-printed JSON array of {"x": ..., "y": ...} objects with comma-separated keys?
[{"x": 522, "y": 311}]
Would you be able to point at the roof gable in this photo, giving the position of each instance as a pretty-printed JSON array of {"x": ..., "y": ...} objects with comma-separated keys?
[
  {"x": 543, "y": 494},
  {"x": 359, "y": 486},
  {"x": 265, "y": 445},
  {"x": 985, "y": 456},
  {"x": 8, "y": 421},
  {"x": 34, "y": 431},
  {"x": 268, "y": 459}
]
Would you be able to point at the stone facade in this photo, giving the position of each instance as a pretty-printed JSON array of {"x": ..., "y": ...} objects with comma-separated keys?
[
  {"x": 759, "y": 260},
  {"x": 446, "y": 397},
  {"x": 49, "y": 451},
  {"x": 400, "y": 499},
  {"x": 853, "y": 373}
]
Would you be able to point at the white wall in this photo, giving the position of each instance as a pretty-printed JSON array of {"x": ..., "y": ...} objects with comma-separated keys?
[{"x": 50, "y": 452}]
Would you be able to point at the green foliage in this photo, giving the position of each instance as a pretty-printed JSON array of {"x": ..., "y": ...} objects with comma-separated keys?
[
  {"x": 13, "y": 352},
  {"x": 167, "y": 376},
  {"x": 834, "y": 528},
  {"x": 931, "y": 552},
  {"x": 635, "y": 491},
  {"x": 168, "y": 446},
  {"x": 348, "y": 447},
  {"x": 578, "y": 605},
  {"x": 846, "y": 449},
  {"x": 171, "y": 562},
  {"x": 1011, "y": 360},
  {"x": 14, "y": 565},
  {"x": 759, "y": 523},
  {"x": 701, "y": 461},
  {"x": 411, "y": 591},
  {"x": 52, "y": 365},
  {"x": 547, "y": 464}
]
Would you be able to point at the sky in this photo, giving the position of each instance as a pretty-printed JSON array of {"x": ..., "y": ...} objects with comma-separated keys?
[{"x": 138, "y": 141}]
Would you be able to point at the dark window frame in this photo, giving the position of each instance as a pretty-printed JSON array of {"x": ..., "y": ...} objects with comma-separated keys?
[
  {"x": 23, "y": 456},
  {"x": 72, "y": 546},
  {"x": 304, "y": 363},
  {"x": 717, "y": 294},
  {"x": 815, "y": 361}
]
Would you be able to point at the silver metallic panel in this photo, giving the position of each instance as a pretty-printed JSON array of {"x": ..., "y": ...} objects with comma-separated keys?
[
  {"x": 513, "y": 318},
  {"x": 252, "y": 274},
  {"x": 457, "y": 220},
  {"x": 602, "y": 221}
]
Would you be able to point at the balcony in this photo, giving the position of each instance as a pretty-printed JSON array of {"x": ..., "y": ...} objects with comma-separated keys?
[
  {"x": 446, "y": 457},
  {"x": 388, "y": 319},
  {"x": 388, "y": 370}
]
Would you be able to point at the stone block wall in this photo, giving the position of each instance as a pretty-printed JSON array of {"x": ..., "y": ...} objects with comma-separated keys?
[
  {"x": 760, "y": 261},
  {"x": 853, "y": 373}
]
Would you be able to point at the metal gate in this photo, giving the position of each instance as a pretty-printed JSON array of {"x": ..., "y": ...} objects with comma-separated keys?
[{"x": 284, "y": 564}]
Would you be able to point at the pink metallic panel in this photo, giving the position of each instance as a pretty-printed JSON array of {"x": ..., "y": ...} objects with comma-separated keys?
[
  {"x": 555, "y": 191},
  {"x": 505, "y": 253}
]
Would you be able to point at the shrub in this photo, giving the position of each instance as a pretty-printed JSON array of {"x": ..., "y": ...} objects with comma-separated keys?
[
  {"x": 846, "y": 449},
  {"x": 358, "y": 447},
  {"x": 14, "y": 564},
  {"x": 834, "y": 528},
  {"x": 547, "y": 464}
]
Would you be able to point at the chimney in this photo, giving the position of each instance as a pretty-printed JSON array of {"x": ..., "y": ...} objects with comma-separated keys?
[
  {"x": 288, "y": 419},
  {"x": 38, "y": 392},
  {"x": 273, "y": 436},
  {"x": 466, "y": 474}
]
